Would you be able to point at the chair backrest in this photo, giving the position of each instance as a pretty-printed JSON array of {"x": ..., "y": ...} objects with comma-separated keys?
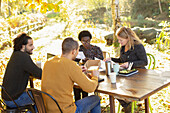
[
  {"x": 1, "y": 105},
  {"x": 152, "y": 61},
  {"x": 39, "y": 102},
  {"x": 106, "y": 54},
  {"x": 2, "y": 88},
  {"x": 49, "y": 55}
]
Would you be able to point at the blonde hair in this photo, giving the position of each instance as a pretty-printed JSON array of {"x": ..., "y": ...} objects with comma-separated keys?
[{"x": 127, "y": 33}]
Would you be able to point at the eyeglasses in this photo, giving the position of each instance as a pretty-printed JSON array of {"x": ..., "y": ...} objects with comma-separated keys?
[{"x": 85, "y": 41}]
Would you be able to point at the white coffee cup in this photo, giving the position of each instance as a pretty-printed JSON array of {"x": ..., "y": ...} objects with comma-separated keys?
[
  {"x": 112, "y": 77},
  {"x": 38, "y": 63}
]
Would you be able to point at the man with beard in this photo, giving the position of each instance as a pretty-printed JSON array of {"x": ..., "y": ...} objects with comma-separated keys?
[{"x": 18, "y": 70}]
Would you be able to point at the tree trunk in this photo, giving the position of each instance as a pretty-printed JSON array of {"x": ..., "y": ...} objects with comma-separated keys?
[
  {"x": 160, "y": 8},
  {"x": 115, "y": 18},
  {"x": 0, "y": 7},
  {"x": 9, "y": 8}
]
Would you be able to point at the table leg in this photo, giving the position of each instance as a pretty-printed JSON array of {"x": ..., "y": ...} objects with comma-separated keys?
[
  {"x": 146, "y": 105},
  {"x": 112, "y": 104},
  {"x": 31, "y": 83}
]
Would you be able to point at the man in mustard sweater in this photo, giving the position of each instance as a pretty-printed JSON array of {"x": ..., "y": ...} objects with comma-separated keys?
[{"x": 58, "y": 78}]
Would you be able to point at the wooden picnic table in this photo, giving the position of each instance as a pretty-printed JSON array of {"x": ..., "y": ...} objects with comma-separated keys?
[{"x": 136, "y": 87}]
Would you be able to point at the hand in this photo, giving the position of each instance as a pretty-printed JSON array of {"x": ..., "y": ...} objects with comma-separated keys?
[
  {"x": 89, "y": 75},
  {"x": 107, "y": 59},
  {"x": 84, "y": 69},
  {"x": 95, "y": 73},
  {"x": 125, "y": 65}
]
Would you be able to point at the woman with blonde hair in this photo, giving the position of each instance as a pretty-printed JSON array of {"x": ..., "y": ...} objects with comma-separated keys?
[{"x": 131, "y": 50}]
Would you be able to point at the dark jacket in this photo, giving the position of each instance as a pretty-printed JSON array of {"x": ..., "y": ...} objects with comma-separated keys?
[
  {"x": 137, "y": 56},
  {"x": 18, "y": 70}
]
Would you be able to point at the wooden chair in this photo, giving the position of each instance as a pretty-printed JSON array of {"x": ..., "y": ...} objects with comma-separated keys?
[
  {"x": 38, "y": 99},
  {"x": 6, "y": 109},
  {"x": 151, "y": 62},
  {"x": 49, "y": 55}
]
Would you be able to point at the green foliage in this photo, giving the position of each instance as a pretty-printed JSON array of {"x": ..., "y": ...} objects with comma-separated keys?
[
  {"x": 16, "y": 7},
  {"x": 20, "y": 20},
  {"x": 52, "y": 15},
  {"x": 15, "y": 22},
  {"x": 163, "y": 39},
  {"x": 96, "y": 4},
  {"x": 140, "y": 17},
  {"x": 148, "y": 8},
  {"x": 141, "y": 23}
]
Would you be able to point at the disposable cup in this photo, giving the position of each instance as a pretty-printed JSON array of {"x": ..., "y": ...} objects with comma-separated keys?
[
  {"x": 112, "y": 77},
  {"x": 116, "y": 68},
  {"x": 38, "y": 63}
]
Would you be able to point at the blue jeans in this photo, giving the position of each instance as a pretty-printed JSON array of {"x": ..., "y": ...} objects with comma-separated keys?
[
  {"x": 22, "y": 100},
  {"x": 90, "y": 103}
]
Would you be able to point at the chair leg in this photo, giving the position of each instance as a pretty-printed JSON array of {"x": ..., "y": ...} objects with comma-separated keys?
[
  {"x": 135, "y": 104},
  {"x": 118, "y": 111},
  {"x": 132, "y": 107},
  {"x": 150, "y": 107}
]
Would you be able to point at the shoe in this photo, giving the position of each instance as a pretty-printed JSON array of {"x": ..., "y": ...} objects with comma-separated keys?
[{"x": 128, "y": 108}]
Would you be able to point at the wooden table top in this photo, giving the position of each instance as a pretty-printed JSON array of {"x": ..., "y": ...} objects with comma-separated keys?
[{"x": 135, "y": 87}]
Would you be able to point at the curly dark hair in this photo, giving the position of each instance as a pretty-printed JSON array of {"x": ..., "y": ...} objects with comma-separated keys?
[
  {"x": 21, "y": 39},
  {"x": 84, "y": 33}
]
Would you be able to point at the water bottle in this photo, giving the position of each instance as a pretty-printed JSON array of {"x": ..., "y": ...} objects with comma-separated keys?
[{"x": 108, "y": 67}]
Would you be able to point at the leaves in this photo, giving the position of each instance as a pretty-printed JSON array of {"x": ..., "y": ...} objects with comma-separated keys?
[
  {"x": 43, "y": 7},
  {"x": 56, "y": 8},
  {"x": 60, "y": 2},
  {"x": 38, "y": 1},
  {"x": 32, "y": 6},
  {"x": 29, "y": 1}
]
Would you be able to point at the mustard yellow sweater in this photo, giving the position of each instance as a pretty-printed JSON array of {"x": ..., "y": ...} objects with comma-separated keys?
[{"x": 58, "y": 78}]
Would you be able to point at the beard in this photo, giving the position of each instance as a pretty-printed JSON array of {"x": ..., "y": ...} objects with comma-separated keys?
[{"x": 29, "y": 51}]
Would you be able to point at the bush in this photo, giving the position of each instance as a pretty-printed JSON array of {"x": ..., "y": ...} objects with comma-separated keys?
[
  {"x": 142, "y": 23},
  {"x": 140, "y": 17},
  {"x": 52, "y": 15}
]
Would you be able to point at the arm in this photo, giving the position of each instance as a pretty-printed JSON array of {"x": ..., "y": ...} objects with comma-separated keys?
[
  {"x": 116, "y": 60},
  {"x": 141, "y": 55},
  {"x": 30, "y": 67},
  {"x": 88, "y": 85},
  {"x": 99, "y": 54}
]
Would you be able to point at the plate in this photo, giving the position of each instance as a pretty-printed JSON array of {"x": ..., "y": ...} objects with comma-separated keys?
[{"x": 125, "y": 72}]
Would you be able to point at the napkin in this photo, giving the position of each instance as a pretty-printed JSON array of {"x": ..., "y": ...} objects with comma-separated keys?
[{"x": 80, "y": 55}]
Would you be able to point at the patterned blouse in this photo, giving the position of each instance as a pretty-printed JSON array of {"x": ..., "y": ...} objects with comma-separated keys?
[{"x": 93, "y": 52}]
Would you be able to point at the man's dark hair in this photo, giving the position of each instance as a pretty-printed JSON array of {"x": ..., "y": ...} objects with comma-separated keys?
[
  {"x": 21, "y": 39},
  {"x": 84, "y": 34},
  {"x": 68, "y": 45}
]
